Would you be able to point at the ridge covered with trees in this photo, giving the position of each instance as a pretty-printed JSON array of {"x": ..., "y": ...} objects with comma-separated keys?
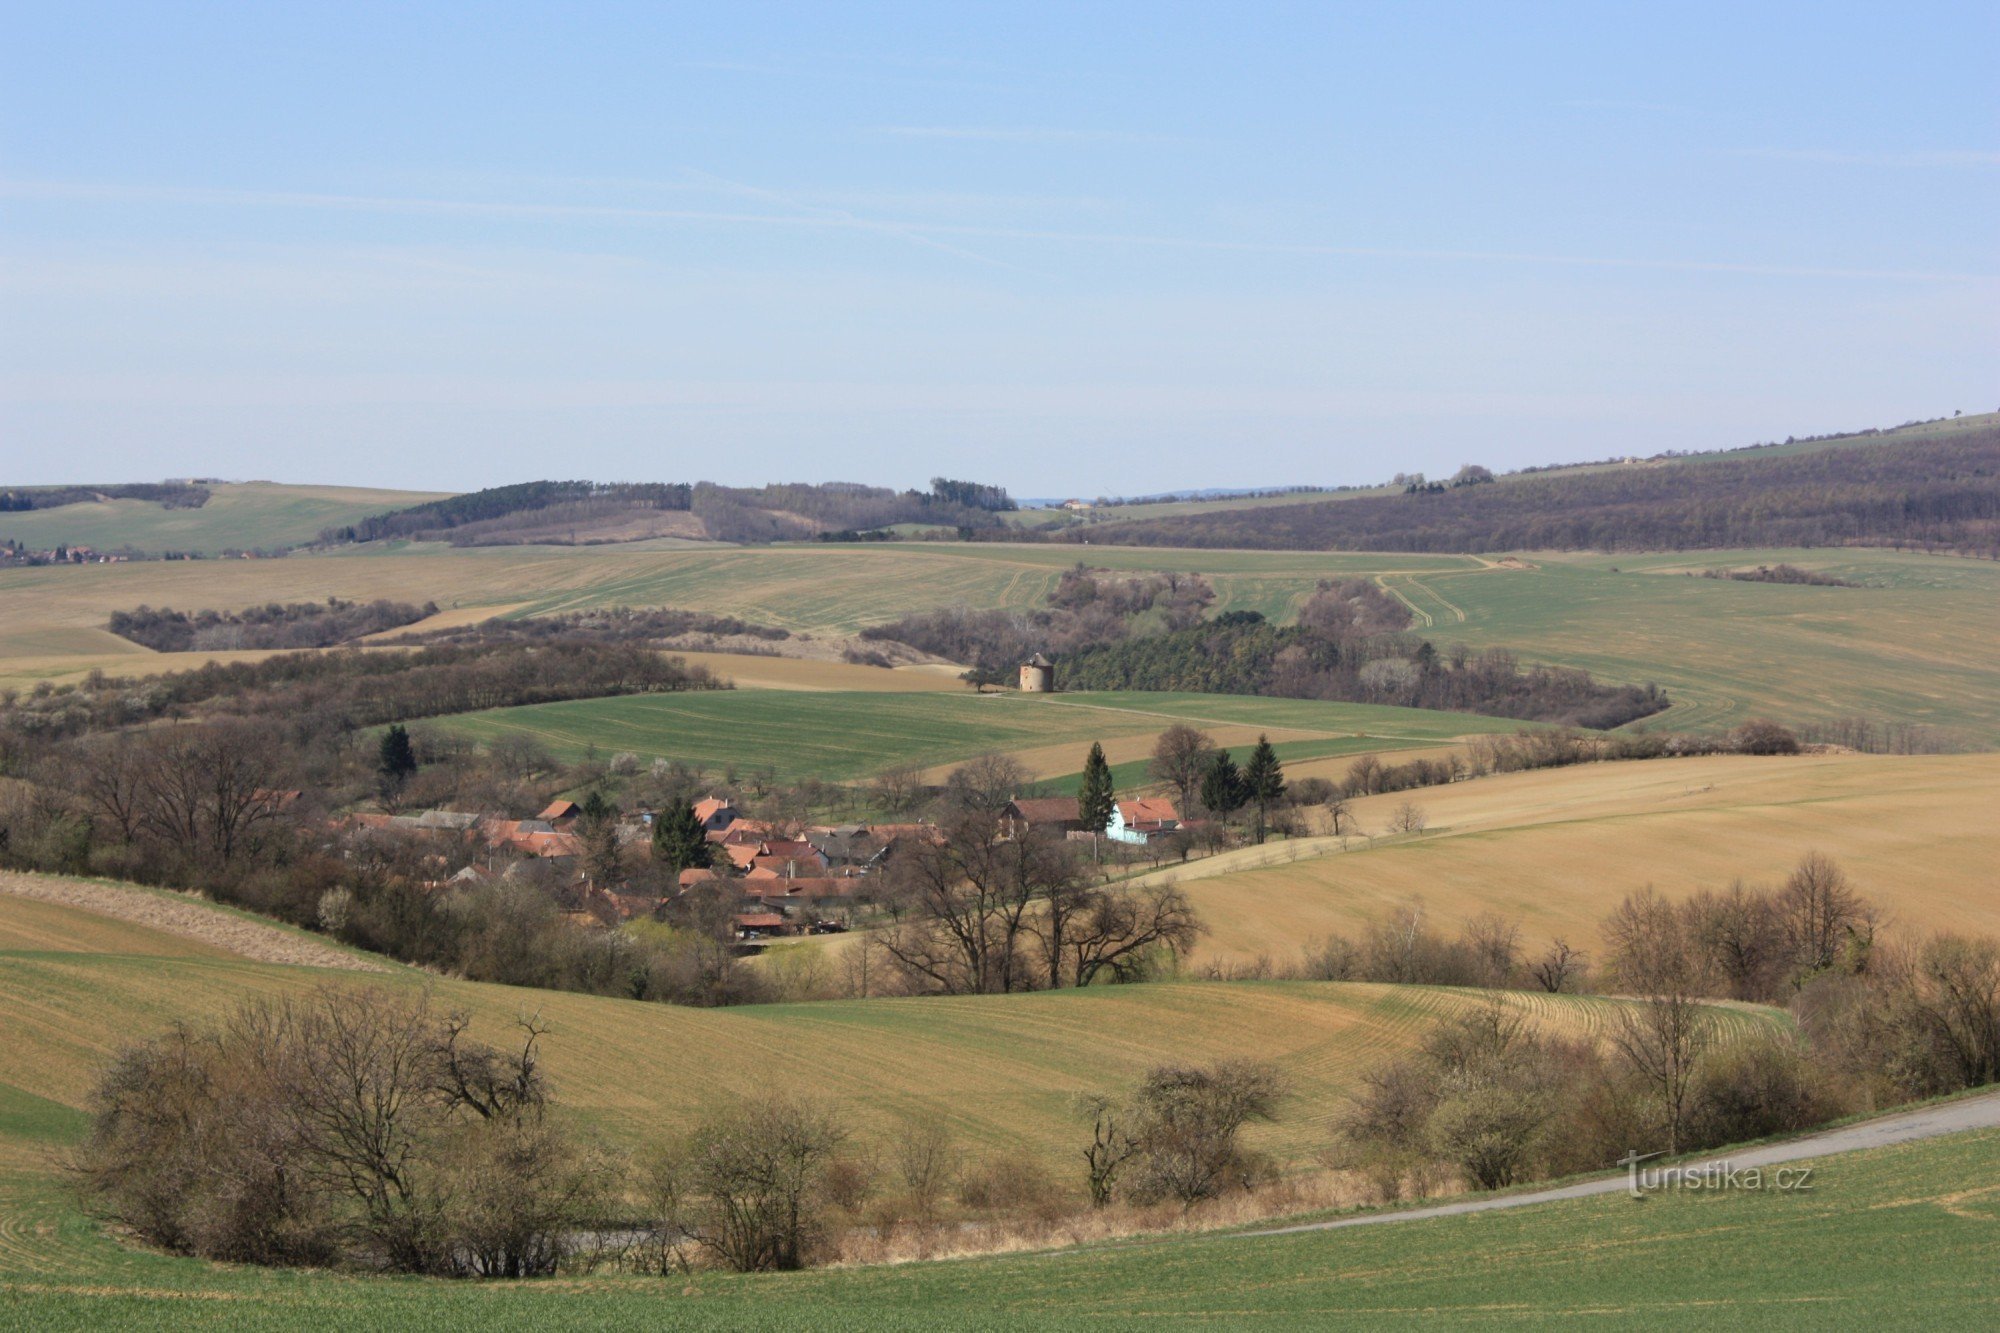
[
  {"x": 570, "y": 512},
  {"x": 168, "y": 495},
  {"x": 1936, "y": 494}
]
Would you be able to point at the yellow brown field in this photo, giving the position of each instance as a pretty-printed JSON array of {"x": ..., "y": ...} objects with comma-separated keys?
[
  {"x": 998, "y": 1069},
  {"x": 1557, "y": 849}
]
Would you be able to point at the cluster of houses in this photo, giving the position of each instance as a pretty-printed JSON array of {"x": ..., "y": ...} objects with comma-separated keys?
[
  {"x": 783, "y": 881},
  {"x": 15, "y": 553}
]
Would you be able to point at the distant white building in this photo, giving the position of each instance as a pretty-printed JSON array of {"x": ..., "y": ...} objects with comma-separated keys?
[{"x": 1142, "y": 820}]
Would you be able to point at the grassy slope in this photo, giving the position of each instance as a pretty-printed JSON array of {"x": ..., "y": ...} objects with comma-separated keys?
[
  {"x": 75, "y": 985},
  {"x": 1910, "y": 1232},
  {"x": 1916, "y": 643},
  {"x": 851, "y": 734},
  {"x": 257, "y": 515},
  {"x": 999, "y": 1070},
  {"x": 1558, "y": 849},
  {"x": 1912, "y": 646}
]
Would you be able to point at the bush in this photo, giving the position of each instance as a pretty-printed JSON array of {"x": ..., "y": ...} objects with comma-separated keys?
[
  {"x": 1187, "y": 1121},
  {"x": 352, "y": 1127},
  {"x": 755, "y": 1184},
  {"x": 1754, "y": 1090}
]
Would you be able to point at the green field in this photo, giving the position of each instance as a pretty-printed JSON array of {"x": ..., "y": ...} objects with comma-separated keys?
[
  {"x": 243, "y": 516},
  {"x": 1914, "y": 644},
  {"x": 845, "y": 735}
]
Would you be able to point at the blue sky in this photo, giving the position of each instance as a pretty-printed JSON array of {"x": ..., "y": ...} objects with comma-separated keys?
[{"x": 1072, "y": 249}]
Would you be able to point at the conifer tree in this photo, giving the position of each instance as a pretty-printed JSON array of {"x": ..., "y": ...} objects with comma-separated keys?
[
  {"x": 1222, "y": 789},
  {"x": 679, "y": 841},
  {"x": 396, "y": 761},
  {"x": 1264, "y": 780},
  {"x": 1095, "y": 799}
]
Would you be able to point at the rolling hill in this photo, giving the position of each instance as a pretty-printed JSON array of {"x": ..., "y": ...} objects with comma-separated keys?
[
  {"x": 1557, "y": 849},
  {"x": 1912, "y": 644},
  {"x": 998, "y": 1069},
  {"x": 1908, "y": 1229},
  {"x": 239, "y": 516},
  {"x": 1935, "y": 487}
]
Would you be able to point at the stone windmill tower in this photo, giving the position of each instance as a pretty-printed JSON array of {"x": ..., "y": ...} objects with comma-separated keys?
[{"x": 1038, "y": 675}]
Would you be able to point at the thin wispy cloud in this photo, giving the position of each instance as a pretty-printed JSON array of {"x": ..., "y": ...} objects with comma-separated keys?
[
  {"x": 1921, "y": 157},
  {"x": 1026, "y": 134},
  {"x": 936, "y": 234},
  {"x": 1621, "y": 104}
]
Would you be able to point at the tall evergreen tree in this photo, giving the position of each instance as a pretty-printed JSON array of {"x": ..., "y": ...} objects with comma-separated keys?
[
  {"x": 1264, "y": 780},
  {"x": 1222, "y": 789},
  {"x": 679, "y": 841},
  {"x": 396, "y": 762},
  {"x": 1095, "y": 799}
]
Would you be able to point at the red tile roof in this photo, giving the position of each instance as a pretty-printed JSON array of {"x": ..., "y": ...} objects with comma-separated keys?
[
  {"x": 1047, "y": 810},
  {"x": 561, "y": 810}
]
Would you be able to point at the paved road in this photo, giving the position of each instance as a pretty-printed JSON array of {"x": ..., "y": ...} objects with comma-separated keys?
[{"x": 1982, "y": 1112}]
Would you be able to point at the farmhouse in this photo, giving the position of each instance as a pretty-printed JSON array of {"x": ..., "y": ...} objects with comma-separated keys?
[
  {"x": 1059, "y": 815},
  {"x": 715, "y": 813},
  {"x": 1141, "y": 821}
]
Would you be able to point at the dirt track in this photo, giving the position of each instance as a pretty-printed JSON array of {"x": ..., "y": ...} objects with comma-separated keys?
[
  {"x": 1982, "y": 1112},
  {"x": 190, "y": 919}
]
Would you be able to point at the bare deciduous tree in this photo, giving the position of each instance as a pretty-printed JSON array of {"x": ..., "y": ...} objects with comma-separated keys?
[
  {"x": 752, "y": 1183},
  {"x": 1821, "y": 915},
  {"x": 1559, "y": 967},
  {"x": 1110, "y": 1148},
  {"x": 1180, "y": 757},
  {"x": 1188, "y": 1122}
]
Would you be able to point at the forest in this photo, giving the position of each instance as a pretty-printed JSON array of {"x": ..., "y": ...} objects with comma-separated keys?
[{"x": 1927, "y": 494}]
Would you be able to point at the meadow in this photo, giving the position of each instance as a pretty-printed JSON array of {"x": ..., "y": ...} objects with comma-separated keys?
[
  {"x": 239, "y": 516},
  {"x": 844, "y": 735},
  {"x": 1557, "y": 849}
]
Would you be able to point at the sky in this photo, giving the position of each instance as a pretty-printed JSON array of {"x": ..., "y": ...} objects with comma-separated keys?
[{"x": 1072, "y": 249}]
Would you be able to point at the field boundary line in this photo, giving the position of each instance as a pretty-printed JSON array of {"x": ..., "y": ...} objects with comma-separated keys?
[{"x": 1382, "y": 581}]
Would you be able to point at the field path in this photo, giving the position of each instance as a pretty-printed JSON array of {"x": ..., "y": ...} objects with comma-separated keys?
[
  {"x": 1982, "y": 1112},
  {"x": 190, "y": 919}
]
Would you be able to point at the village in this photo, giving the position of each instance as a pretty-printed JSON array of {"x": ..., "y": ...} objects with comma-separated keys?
[{"x": 779, "y": 879}]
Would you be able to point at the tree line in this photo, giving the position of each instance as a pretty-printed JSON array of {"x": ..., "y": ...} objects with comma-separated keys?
[
  {"x": 1241, "y": 653},
  {"x": 289, "y": 625},
  {"x": 349, "y": 687},
  {"x": 168, "y": 495},
  {"x": 1940, "y": 494}
]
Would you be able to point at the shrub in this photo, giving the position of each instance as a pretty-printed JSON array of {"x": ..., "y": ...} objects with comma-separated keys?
[
  {"x": 755, "y": 1184},
  {"x": 350, "y": 1127},
  {"x": 1187, "y": 1122}
]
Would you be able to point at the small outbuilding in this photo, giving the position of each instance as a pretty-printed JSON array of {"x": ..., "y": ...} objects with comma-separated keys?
[{"x": 1038, "y": 675}]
